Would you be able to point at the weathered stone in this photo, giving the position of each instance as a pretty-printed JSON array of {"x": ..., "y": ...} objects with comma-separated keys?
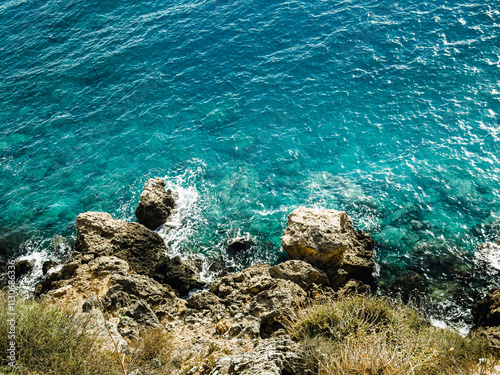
[
  {"x": 155, "y": 204},
  {"x": 318, "y": 237},
  {"x": 24, "y": 267},
  {"x": 51, "y": 281},
  {"x": 254, "y": 291},
  {"x": 48, "y": 265},
  {"x": 487, "y": 312},
  {"x": 109, "y": 265},
  {"x": 99, "y": 234},
  {"x": 142, "y": 287},
  {"x": 326, "y": 239},
  {"x": 177, "y": 273},
  {"x": 301, "y": 273},
  {"x": 277, "y": 356},
  {"x": 142, "y": 314},
  {"x": 203, "y": 301}
]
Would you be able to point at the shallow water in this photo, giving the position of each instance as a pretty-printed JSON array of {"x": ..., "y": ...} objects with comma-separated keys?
[{"x": 388, "y": 110}]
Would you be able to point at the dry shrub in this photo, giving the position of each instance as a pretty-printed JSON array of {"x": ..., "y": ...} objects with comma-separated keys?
[
  {"x": 374, "y": 336},
  {"x": 153, "y": 352},
  {"x": 51, "y": 341}
]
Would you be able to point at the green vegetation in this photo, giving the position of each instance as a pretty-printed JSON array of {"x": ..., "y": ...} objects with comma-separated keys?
[
  {"x": 363, "y": 335},
  {"x": 50, "y": 340}
]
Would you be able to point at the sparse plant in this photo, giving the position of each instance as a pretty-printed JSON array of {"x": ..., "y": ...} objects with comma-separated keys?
[{"x": 375, "y": 336}]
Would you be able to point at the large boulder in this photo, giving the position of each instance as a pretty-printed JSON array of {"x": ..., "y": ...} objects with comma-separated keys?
[
  {"x": 155, "y": 204},
  {"x": 98, "y": 234},
  {"x": 327, "y": 240}
]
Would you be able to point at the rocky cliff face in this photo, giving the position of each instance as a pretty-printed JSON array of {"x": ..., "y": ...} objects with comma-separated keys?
[
  {"x": 121, "y": 275},
  {"x": 327, "y": 240}
]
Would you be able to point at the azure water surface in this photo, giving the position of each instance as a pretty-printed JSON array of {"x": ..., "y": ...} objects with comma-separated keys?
[{"x": 386, "y": 109}]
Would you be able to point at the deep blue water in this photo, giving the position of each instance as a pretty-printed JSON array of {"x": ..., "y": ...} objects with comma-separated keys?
[{"x": 386, "y": 109}]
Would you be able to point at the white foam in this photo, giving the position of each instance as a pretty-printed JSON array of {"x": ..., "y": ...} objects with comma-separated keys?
[
  {"x": 182, "y": 225},
  {"x": 489, "y": 254}
]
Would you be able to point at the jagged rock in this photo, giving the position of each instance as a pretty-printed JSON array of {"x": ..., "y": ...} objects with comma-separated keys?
[
  {"x": 109, "y": 265},
  {"x": 277, "y": 356},
  {"x": 142, "y": 287},
  {"x": 255, "y": 292},
  {"x": 24, "y": 267},
  {"x": 301, "y": 273},
  {"x": 326, "y": 239},
  {"x": 487, "y": 312},
  {"x": 142, "y": 314},
  {"x": 52, "y": 281},
  {"x": 178, "y": 274},
  {"x": 203, "y": 301},
  {"x": 155, "y": 204},
  {"x": 48, "y": 265},
  {"x": 99, "y": 234}
]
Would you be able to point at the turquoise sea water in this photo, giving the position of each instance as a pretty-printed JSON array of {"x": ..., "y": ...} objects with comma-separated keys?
[{"x": 386, "y": 109}]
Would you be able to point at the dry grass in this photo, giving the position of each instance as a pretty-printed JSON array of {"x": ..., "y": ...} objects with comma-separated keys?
[
  {"x": 51, "y": 340},
  {"x": 362, "y": 335}
]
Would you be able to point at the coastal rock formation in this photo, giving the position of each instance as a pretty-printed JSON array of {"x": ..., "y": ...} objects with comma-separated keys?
[
  {"x": 98, "y": 234},
  {"x": 121, "y": 275},
  {"x": 155, "y": 204},
  {"x": 327, "y": 240},
  {"x": 276, "y": 356}
]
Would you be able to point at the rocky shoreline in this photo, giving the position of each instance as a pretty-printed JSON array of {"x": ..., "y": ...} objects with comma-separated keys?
[{"x": 120, "y": 275}]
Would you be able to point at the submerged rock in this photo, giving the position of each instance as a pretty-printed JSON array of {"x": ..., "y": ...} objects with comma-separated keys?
[
  {"x": 326, "y": 239},
  {"x": 155, "y": 204}
]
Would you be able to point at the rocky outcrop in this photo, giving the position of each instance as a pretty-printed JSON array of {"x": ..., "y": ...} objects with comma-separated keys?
[
  {"x": 155, "y": 204},
  {"x": 120, "y": 274},
  {"x": 327, "y": 240},
  {"x": 276, "y": 356},
  {"x": 98, "y": 234}
]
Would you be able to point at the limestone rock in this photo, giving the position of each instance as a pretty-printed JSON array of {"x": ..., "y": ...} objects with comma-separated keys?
[
  {"x": 178, "y": 273},
  {"x": 155, "y": 204},
  {"x": 301, "y": 273},
  {"x": 326, "y": 239},
  {"x": 52, "y": 281},
  {"x": 255, "y": 292},
  {"x": 99, "y": 234},
  {"x": 272, "y": 357},
  {"x": 142, "y": 314}
]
